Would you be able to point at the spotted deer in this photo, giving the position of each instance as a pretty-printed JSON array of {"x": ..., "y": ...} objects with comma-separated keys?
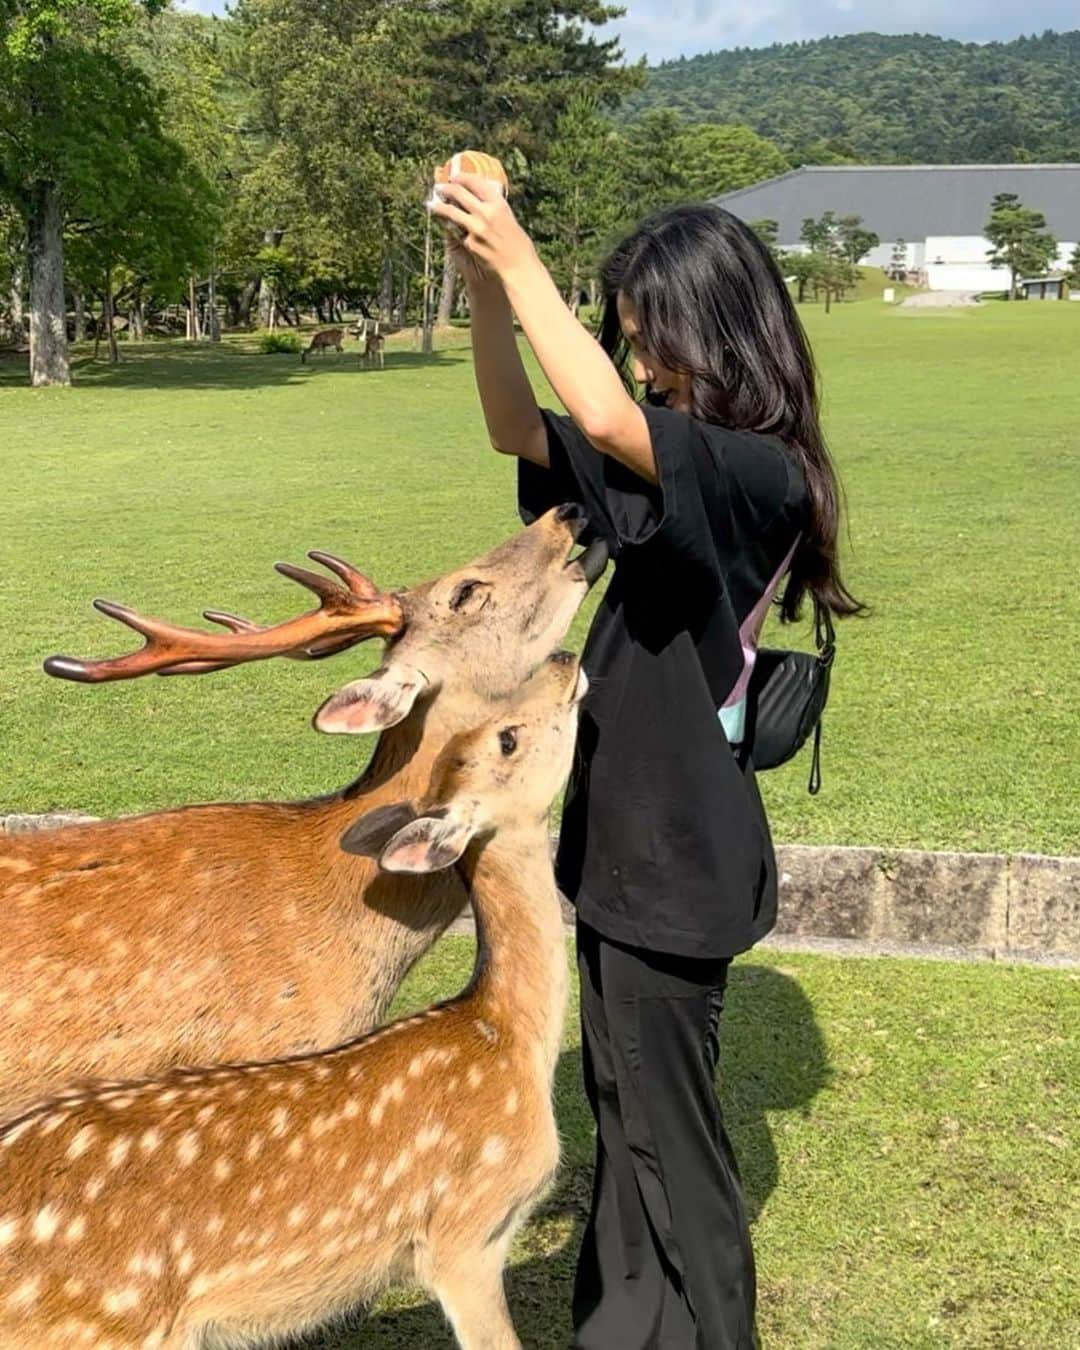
[
  {"x": 320, "y": 341},
  {"x": 257, "y": 1200},
  {"x": 236, "y": 931}
]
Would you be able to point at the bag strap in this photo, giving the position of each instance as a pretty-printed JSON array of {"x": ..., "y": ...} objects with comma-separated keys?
[{"x": 751, "y": 626}]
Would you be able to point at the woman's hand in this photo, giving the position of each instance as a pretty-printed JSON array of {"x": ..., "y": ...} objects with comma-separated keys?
[{"x": 491, "y": 241}]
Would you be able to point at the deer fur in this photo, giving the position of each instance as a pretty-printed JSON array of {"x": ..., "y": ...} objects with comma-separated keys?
[
  {"x": 224, "y": 932},
  {"x": 325, "y": 337},
  {"x": 258, "y": 1200}
]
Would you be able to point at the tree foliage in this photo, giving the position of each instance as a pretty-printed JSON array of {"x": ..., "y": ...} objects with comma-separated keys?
[
  {"x": 1019, "y": 238},
  {"x": 876, "y": 99}
]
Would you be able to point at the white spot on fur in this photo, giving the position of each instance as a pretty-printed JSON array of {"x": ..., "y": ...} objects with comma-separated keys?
[
  {"x": 94, "y": 1187},
  {"x": 121, "y": 1301},
  {"x": 512, "y": 1102},
  {"x": 25, "y": 1294},
  {"x": 494, "y": 1151},
  {"x": 474, "y": 1077},
  {"x": 75, "y": 1229},
  {"x": 81, "y": 1142},
  {"x": 254, "y": 1147},
  {"x": 8, "y": 1229},
  {"x": 279, "y": 1121},
  {"x": 46, "y": 1223},
  {"x": 428, "y": 1137},
  {"x": 188, "y": 1148},
  {"x": 118, "y": 1150},
  {"x": 150, "y": 1141},
  {"x": 223, "y": 1169}
]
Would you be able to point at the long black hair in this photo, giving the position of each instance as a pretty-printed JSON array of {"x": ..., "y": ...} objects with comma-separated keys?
[{"x": 710, "y": 302}]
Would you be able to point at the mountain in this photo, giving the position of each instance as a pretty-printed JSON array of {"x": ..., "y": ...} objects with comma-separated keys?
[{"x": 877, "y": 99}]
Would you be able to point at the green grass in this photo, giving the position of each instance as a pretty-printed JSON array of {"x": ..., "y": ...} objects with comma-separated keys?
[
  {"x": 174, "y": 481},
  {"x": 904, "y": 1130}
]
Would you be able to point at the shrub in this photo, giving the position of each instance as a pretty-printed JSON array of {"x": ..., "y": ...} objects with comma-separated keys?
[{"x": 278, "y": 342}]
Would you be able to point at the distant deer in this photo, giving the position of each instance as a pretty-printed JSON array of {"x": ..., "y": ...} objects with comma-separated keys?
[
  {"x": 243, "y": 931},
  {"x": 374, "y": 345},
  {"x": 320, "y": 341},
  {"x": 258, "y": 1200}
]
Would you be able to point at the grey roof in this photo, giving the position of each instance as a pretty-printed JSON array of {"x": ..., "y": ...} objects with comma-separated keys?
[{"x": 912, "y": 201}]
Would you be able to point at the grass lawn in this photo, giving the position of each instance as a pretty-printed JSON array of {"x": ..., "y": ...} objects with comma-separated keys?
[
  {"x": 904, "y": 1133},
  {"x": 174, "y": 481}
]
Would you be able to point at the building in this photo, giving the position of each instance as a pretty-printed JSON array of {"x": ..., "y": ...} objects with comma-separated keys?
[
  {"x": 931, "y": 215},
  {"x": 1043, "y": 288}
]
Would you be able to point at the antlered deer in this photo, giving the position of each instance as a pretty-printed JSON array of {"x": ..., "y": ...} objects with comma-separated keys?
[
  {"x": 320, "y": 341},
  {"x": 253, "y": 1201},
  {"x": 243, "y": 931}
]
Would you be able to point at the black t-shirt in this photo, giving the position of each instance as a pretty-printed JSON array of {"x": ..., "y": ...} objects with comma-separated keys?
[{"x": 664, "y": 841}]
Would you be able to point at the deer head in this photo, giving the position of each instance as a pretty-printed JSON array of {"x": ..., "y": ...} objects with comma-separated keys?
[
  {"x": 483, "y": 627},
  {"x": 500, "y": 777}
]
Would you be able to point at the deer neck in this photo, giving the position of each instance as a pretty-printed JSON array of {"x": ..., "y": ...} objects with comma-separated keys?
[
  {"x": 405, "y": 755},
  {"x": 520, "y": 979}
]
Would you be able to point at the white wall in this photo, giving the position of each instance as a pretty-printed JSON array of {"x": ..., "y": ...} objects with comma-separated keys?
[{"x": 951, "y": 263}]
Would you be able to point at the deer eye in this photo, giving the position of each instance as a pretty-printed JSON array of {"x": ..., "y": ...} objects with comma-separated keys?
[
  {"x": 508, "y": 740},
  {"x": 464, "y": 592}
]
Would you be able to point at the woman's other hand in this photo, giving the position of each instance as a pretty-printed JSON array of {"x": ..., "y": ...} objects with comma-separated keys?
[{"x": 491, "y": 242}]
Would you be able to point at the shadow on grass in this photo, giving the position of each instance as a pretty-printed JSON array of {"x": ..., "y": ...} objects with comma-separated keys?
[
  {"x": 174, "y": 365},
  {"x": 773, "y": 1060}
]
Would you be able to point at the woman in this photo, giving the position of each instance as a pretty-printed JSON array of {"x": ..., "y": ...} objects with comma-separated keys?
[{"x": 701, "y": 491}]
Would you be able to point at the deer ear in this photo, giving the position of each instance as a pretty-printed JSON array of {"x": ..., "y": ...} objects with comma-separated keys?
[
  {"x": 381, "y": 701},
  {"x": 427, "y": 845},
  {"x": 369, "y": 835}
]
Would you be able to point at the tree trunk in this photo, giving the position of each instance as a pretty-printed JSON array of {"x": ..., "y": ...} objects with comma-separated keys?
[
  {"x": 386, "y": 287},
  {"x": 426, "y": 344},
  {"x": 80, "y": 317},
  {"x": 110, "y": 319},
  {"x": 575, "y": 288},
  {"x": 446, "y": 295},
  {"x": 213, "y": 323},
  {"x": 45, "y": 250},
  {"x": 137, "y": 319},
  {"x": 194, "y": 328},
  {"x": 18, "y": 280}
]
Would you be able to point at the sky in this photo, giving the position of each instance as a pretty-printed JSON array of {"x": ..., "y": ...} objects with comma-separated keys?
[{"x": 664, "y": 29}]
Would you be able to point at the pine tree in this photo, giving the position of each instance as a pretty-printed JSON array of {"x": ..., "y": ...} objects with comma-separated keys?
[
  {"x": 1021, "y": 242},
  {"x": 579, "y": 183}
]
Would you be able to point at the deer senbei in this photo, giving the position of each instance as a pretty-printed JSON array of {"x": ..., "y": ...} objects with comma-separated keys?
[
  {"x": 256, "y": 1200},
  {"x": 238, "y": 931}
]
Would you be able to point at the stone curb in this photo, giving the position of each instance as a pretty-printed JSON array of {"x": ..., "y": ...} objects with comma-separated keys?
[{"x": 1019, "y": 906}]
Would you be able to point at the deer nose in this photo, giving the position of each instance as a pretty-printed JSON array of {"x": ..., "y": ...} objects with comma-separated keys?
[{"x": 569, "y": 511}]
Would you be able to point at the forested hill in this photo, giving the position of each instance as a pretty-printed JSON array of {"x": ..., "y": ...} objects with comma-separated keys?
[{"x": 888, "y": 99}]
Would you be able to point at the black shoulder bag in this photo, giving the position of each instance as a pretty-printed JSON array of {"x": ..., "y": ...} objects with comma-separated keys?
[{"x": 779, "y": 697}]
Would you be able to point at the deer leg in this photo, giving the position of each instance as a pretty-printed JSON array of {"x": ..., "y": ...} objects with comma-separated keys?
[{"x": 474, "y": 1300}]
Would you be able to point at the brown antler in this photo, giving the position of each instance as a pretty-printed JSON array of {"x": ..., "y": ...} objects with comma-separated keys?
[{"x": 346, "y": 614}]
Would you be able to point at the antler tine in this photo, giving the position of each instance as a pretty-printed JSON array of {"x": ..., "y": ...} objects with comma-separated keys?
[
  {"x": 233, "y": 622},
  {"x": 327, "y": 591},
  {"x": 356, "y": 581},
  {"x": 345, "y": 615}
]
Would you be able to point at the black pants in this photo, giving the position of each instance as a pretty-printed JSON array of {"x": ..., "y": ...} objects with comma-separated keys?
[{"x": 666, "y": 1262}]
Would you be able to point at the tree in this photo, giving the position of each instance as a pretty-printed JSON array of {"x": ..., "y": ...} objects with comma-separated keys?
[
  {"x": 579, "y": 185},
  {"x": 650, "y": 171},
  {"x": 855, "y": 242},
  {"x": 768, "y": 231},
  {"x": 1020, "y": 239},
  {"x": 1073, "y": 274},
  {"x": 59, "y": 140},
  {"x": 830, "y": 270},
  {"x": 715, "y": 159}
]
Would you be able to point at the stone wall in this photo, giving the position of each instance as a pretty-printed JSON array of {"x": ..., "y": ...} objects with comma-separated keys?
[{"x": 1005, "y": 905}]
